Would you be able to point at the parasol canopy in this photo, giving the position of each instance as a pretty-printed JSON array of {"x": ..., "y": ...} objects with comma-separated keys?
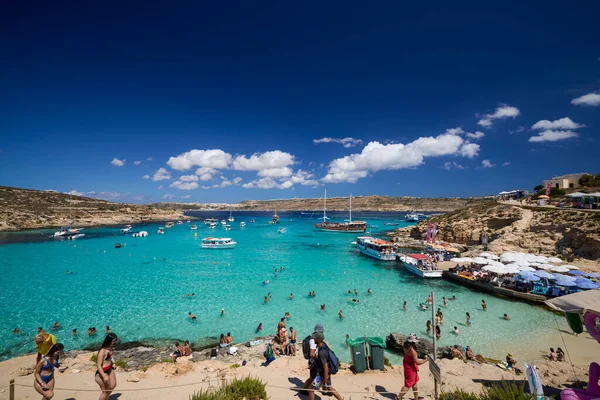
[
  {"x": 559, "y": 268},
  {"x": 544, "y": 274},
  {"x": 577, "y": 302},
  {"x": 529, "y": 277}
]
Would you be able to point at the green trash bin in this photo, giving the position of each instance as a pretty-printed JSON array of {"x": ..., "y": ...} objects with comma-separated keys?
[
  {"x": 376, "y": 353},
  {"x": 358, "y": 351}
]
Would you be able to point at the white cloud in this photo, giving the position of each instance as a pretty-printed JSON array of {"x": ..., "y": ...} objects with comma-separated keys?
[
  {"x": 168, "y": 196},
  {"x": 476, "y": 135},
  {"x": 188, "y": 178},
  {"x": 519, "y": 129},
  {"x": 160, "y": 187},
  {"x": 487, "y": 164},
  {"x": 137, "y": 162},
  {"x": 346, "y": 142},
  {"x": 263, "y": 161},
  {"x": 205, "y": 173},
  {"x": 76, "y": 193},
  {"x": 237, "y": 180},
  {"x": 507, "y": 163},
  {"x": 469, "y": 150},
  {"x": 552, "y": 136},
  {"x": 563, "y": 123},
  {"x": 376, "y": 156},
  {"x": 214, "y": 158},
  {"x": 276, "y": 172},
  {"x": 117, "y": 163},
  {"x": 262, "y": 183},
  {"x": 161, "y": 175},
  {"x": 149, "y": 159},
  {"x": 590, "y": 99},
  {"x": 184, "y": 185},
  {"x": 501, "y": 112},
  {"x": 455, "y": 131},
  {"x": 146, "y": 177},
  {"x": 187, "y": 196},
  {"x": 449, "y": 165}
]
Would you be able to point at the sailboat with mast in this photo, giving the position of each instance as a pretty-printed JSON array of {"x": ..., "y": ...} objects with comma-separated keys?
[
  {"x": 230, "y": 219},
  {"x": 346, "y": 226}
]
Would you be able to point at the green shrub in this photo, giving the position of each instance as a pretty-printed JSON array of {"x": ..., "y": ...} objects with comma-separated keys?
[
  {"x": 246, "y": 388},
  {"x": 506, "y": 390},
  {"x": 94, "y": 357},
  {"x": 120, "y": 363}
]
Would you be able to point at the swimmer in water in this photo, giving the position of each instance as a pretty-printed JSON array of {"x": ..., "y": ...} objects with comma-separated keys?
[
  {"x": 445, "y": 302},
  {"x": 56, "y": 326},
  {"x": 291, "y": 296},
  {"x": 404, "y": 305},
  {"x": 483, "y": 305},
  {"x": 222, "y": 311},
  {"x": 428, "y": 326},
  {"x": 17, "y": 331},
  {"x": 468, "y": 319},
  {"x": 349, "y": 291},
  {"x": 192, "y": 316},
  {"x": 341, "y": 315},
  {"x": 69, "y": 272},
  {"x": 356, "y": 292},
  {"x": 355, "y": 301},
  {"x": 506, "y": 317},
  {"x": 455, "y": 331},
  {"x": 423, "y": 306},
  {"x": 108, "y": 329},
  {"x": 453, "y": 297},
  {"x": 74, "y": 332},
  {"x": 259, "y": 328},
  {"x": 322, "y": 307},
  {"x": 287, "y": 315},
  {"x": 189, "y": 295},
  {"x": 267, "y": 299},
  {"x": 269, "y": 295},
  {"x": 429, "y": 300},
  {"x": 369, "y": 291}
]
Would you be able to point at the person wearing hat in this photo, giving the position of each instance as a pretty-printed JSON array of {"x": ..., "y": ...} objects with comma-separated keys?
[
  {"x": 511, "y": 363},
  {"x": 322, "y": 363},
  {"x": 313, "y": 355},
  {"x": 43, "y": 343},
  {"x": 411, "y": 364}
]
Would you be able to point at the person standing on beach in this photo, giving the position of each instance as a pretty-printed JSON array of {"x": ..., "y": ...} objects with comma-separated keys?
[
  {"x": 411, "y": 364},
  {"x": 43, "y": 343},
  {"x": 468, "y": 319},
  {"x": 44, "y": 372},
  {"x": 312, "y": 355},
  {"x": 106, "y": 378},
  {"x": 293, "y": 339},
  {"x": 483, "y": 305},
  {"x": 322, "y": 362}
]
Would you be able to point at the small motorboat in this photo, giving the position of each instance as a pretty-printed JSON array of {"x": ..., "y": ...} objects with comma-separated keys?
[
  {"x": 223, "y": 222},
  {"x": 390, "y": 223},
  {"x": 161, "y": 231},
  {"x": 252, "y": 221},
  {"x": 212, "y": 226},
  {"x": 193, "y": 227},
  {"x": 76, "y": 236},
  {"x": 242, "y": 224},
  {"x": 140, "y": 234},
  {"x": 127, "y": 229},
  {"x": 179, "y": 222},
  {"x": 227, "y": 227},
  {"x": 118, "y": 245}
]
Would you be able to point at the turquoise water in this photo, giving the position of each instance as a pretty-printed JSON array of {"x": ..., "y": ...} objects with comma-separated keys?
[{"x": 138, "y": 289}]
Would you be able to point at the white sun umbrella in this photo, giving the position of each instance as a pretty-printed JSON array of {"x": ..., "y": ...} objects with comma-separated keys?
[
  {"x": 512, "y": 268},
  {"x": 559, "y": 268},
  {"x": 481, "y": 260},
  {"x": 489, "y": 255},
  {"x": 554, "y": 260},
  {"x": 542, "y": 259},
  {"x": 509, "y": 257},
  {"x": 570, "y": 266},
  {"x": 544, "y": 274},
  {"x": 545, "y": 266},
  {"x": 461, "y": 259},
  {"x": 526, "y": 268},
  {"x": 495, "y": 269}
]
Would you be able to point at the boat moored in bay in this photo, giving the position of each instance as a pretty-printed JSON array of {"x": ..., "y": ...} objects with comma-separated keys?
[
  {"x": 420, "y": 265},
  {"x": 218, "y": 243},
  {"x": 376, "y": 248}
]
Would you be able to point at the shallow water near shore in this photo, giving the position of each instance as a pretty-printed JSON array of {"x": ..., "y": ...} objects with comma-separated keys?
[{"x": 139, "y": 289}]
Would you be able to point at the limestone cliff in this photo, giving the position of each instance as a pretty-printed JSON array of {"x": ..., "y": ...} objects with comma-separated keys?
[{"x": 565, "y": 232}]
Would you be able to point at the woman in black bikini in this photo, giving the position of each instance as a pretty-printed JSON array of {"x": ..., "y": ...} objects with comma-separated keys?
[
  {"x": 105, "y": 376},
  {"x": 44, "y": 372}
]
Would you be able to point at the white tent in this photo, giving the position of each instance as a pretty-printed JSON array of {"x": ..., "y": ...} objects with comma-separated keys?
[
  {"x": 489, "y": 255},
  {"x": 461, "y": 259}
]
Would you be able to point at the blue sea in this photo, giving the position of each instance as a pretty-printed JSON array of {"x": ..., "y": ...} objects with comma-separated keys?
[{"x": 139, "y": 289}]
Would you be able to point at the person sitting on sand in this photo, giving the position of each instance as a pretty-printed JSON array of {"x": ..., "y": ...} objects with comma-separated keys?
[
  {"x": 223, "y": 341},
  {"x": 341, "y": 314},
  {"x": 511, "y": 363},
  {"x": 177, "y": 353},
  {"x": 552, "y": 356},
  {"x": 186, "y": 350},
  {"x": 560, "y": 354},
  {"x": 55, "y": 326},
  {"x": 506, "y": 317},
  {"x": 259, "y": 327},
  {"x": 456, "y": 353},
  {"x": 192, "y": 316},
  {"x": 229, "y": 338},
  {"x": 471, "y": 356},
  {"x": 455, "y": 330}
]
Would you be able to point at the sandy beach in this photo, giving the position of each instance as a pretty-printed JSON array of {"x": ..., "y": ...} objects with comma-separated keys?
[{"x": 179, "y": 380}]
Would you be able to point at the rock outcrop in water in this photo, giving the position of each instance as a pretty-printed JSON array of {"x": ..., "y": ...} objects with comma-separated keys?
[{"x": 552, "y": 231}]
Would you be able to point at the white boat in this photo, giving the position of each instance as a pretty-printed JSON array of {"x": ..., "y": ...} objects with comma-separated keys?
[
  {"x": 209, "y": 221},
  {"x": 282, "y": 230},
  {"x": 212, "y": 226},
  {"x": 223, "y": 222},
  {"x": 217, "y": 243},
  {"x": 161, "y": 231},
  {"x": 193, "y": 227},
  {"x": 274, "y": 218},
  {"x": 230, "y": 219},
  {"x": 242, "y": 224},
  {"x": 179, "y": 222},
  {"x": 252, "y": 221},
  {"x": 376, "y": 248},
  {"x": 411, "y": 217},
  {"x": 127, "y": 229},
  {"x": 346, "y": 226},
  {"x": 140, "y": 234},
  {"x": 420, "y": 265},
  {"x": 76, "y": 236},
  {"x": 169, "y": 225},
  {"x": 65, "y": 232},
  {"x": 227, "y": 227}
]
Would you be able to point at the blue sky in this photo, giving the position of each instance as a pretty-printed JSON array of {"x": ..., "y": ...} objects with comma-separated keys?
[{"x": 147, "y": 101}]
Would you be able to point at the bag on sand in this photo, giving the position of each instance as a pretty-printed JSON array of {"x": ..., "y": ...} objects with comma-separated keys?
[
  {"x": 306, "y": 346},
  {"x": 268, "y": 353}
]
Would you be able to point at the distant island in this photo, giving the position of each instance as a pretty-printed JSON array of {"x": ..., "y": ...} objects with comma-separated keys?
[{"x": 36, "y": 209}]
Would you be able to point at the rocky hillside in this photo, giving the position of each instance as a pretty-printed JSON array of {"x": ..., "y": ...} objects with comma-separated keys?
[
  {"x": 564, "y": 232},
  {"x": 28, "y": 209}
]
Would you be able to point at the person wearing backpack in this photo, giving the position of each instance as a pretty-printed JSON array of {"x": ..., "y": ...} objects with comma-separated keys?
[
  {"x": 324, "y": 360},
  {"x": 309, "y": 350}
]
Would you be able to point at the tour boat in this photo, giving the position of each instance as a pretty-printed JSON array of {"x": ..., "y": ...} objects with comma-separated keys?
[
  {"x": 65, "y": 231},
  {"x": 217, "y": 243},
  {"x": 346, "y": 226},
  {"x": 242, "y": 224},
  {"x": 274, "y": 218},
  {"x": 169, "y": 224},
  {"x": 420, "y": 265},
  {"x": 127, "y": 229},
  {"x": 193, "y": 227},
  {"x": 161, "y": 231},
  {"x": 376, "y": 248},
  {"x": 230, "y": 219},
  {"x": 411, "y": 217}
]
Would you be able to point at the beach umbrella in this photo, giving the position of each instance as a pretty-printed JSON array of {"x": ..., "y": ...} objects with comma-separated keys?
[
  {"x": 545, "y": 266},
  {"x": 570, "y": 266},
  {"x": 481, "y": 260},
  {"x": 494, "y": 268},
  {"x": 586, "y": 285},
  {"x": 554, "y": 260},
  {"x": 577, "y": 273},
  {"x": 541, "y": 259},
  {"x": 559, "y": 268},
  {"x": 529, "y": 277},
  {"x": 544, "y": 274},
  {"x": 509, "y": 257},
  {"x": 512, "y": 268},
  {"x": 593, "y": 275},
  {"x": 525, "y": 268},
  {"x": 496, "y": 263},
  {"x": 461, "y": 259},
  {"x": 489, "y": 255},
  {"x": 562, "y": 280}
]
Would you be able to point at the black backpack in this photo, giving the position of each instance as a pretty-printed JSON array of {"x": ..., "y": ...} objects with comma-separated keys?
[
  {"x": 332, "y": 361},
  {"x": 306, "y": 346}
]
